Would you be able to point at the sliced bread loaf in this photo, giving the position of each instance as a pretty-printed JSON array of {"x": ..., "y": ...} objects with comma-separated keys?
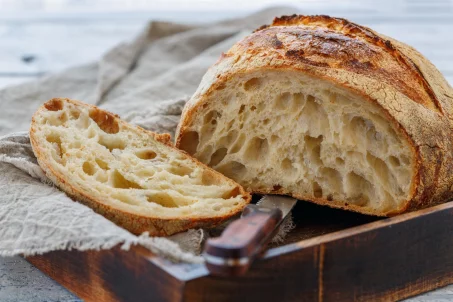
[
  {"x": 132, "y": 176},
  {"x": 329, "y": 111}
]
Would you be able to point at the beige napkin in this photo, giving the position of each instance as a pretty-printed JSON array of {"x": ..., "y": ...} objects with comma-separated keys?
[{"x": 146, "y": 82}]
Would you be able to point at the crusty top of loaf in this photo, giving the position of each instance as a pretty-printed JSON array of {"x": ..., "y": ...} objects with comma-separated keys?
[{"x": 325, "y": 41}]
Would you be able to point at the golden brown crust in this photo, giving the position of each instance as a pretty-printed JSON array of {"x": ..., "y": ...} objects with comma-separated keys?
[
  {"x": 412, "y": 93},
  {"x": 329, "y": 42},
  {"x": 133, "y": 222}
]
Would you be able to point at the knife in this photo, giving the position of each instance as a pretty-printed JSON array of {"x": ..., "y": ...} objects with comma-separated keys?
[{"x": 242, "y": 241}]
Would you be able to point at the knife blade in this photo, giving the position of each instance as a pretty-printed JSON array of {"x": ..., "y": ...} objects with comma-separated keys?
[{"x": 242, "y": 241}]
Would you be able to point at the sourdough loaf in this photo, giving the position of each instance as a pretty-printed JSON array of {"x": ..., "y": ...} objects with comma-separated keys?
[
  {"x": 328, "y": 111},
  {"x": 130, "y": 175}
]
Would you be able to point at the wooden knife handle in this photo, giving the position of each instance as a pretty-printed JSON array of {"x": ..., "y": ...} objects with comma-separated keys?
[{"x": 233, "y": 252}]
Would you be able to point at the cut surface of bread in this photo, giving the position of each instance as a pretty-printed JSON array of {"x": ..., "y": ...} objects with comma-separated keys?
[
  {"x": 130, "y": 175},
  {"x": 328, "y": 111},
  {"x": 282, "y": 132}
]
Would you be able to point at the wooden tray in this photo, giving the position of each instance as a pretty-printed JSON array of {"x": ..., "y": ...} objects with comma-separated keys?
[{"x": 332, "y": 255}]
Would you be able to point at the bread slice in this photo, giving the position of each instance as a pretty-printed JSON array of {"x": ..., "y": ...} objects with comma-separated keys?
[
  {"x": 130, "y": 175},
  {"x": 328, "y": 111}
]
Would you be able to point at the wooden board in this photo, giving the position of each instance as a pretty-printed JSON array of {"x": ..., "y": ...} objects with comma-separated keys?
[{"x": 334, "y": 256}]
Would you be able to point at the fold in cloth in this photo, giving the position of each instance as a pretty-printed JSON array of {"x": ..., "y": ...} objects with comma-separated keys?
[{"x": 147, "y": 82}]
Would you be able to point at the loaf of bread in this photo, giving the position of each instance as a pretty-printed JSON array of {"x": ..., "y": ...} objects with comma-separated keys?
[
  {"x": 130, "y": 175},
  {"x": 328, "y": 111}
]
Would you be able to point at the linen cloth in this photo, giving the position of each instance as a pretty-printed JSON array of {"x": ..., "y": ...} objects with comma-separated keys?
[{"x": 147, "y": 82}]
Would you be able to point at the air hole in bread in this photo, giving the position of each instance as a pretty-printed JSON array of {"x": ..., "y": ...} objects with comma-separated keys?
[
  {"x": 212, "y": 116},
  {"x": 55, "y": 140},
  {"x": 146, "y": 154},
  {"x": 257, "y": 149},
  {"x": 145, "y": 173},
  {"x": 63, "y": 118},
  {"x": 298, "y": 101},
  {"x": 313, "y": 147},
  {"x": 162, "y": 198},
  {"x": 394, "y": 161},
  {"x": 102, "y": 164},
  {"x": 359, "y": 189},
  {"x": 190, "y": 142},
  {"x": 375, "y": 139},
  {"x": 229, "y": 125},
  {"x": 83, "y": 122},
  {"x": 74, "y": 114},
  {"x": 316, "y": 119},
  {"x": 283, "y": 101},
  {"x": 361, "y": 199},
  {"x": 207, "y": 131},
  {"x": 287, "y": 164},
  {"x": 180, "y": 170},
  {"x": 331, "y": 97},
  {"x": 358, "y": 126},
  {"x": 106, "y": 121},
  {"x": 333, "y": 179},
  {"x": 231, "y": 194},
  {"x": 317, "y": 190},
  {"x": 229, "y": 138},
  {"x": 241, "y": 109},
  {"x": 54, "y": 105},
  {"x": 232, "y": 169},
  {"x": 88, "y": 168},
  {"x": 380, "y": 167},
  {"x": 57, "y": 119},
  {"x": 339, "y": 161},
  {"x": 91, "y": 132},
  {"x": 112, "y": 142},
  {"x": 76, "y": 144},
  {"x": 252, "y": 84},
  {"x": 218, "y": 156},
  {"x": 206, "y": 154},
  {"x": 238, "y": 144},
  {"x": 120, "y": 182}
]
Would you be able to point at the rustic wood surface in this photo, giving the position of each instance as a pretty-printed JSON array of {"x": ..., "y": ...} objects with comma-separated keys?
[
  {"x": 34, "y": 44},
  {"x": 384, "y": 260}
]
